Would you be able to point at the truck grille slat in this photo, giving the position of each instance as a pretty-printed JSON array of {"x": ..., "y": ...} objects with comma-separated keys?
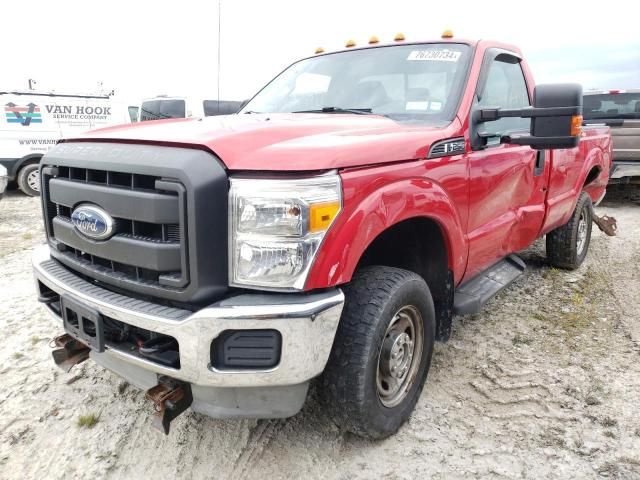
[{"x": 147, "y": 244}]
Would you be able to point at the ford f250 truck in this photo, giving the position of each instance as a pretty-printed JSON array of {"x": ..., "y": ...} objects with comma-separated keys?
[{"x": 330, "y": 230}]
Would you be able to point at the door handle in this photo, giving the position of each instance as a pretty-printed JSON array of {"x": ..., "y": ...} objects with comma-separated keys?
[{"x": 538, "y": 167}]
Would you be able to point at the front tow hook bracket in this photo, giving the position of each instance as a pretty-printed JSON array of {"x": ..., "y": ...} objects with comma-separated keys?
[
  {"x": 70, "y": 353},
  {"x": 170, "y": 398},
  {"x": 606, "y": 224}
]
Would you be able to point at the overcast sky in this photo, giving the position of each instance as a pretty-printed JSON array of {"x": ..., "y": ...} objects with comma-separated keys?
[{"x": 144, "y": 48}]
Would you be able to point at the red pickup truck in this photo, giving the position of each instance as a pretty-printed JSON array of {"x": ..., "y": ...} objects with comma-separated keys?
[{"x": 330, "y": 230}]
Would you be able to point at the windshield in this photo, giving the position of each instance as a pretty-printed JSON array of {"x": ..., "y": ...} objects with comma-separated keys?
[
  {"x": 159, "y": 109},
  {"x": 611, "y": 106},
  {"x": 409, "y": 82}
]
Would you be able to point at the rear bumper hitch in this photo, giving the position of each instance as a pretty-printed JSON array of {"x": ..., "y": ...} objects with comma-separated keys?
[
  {"x": 70, "y": 353},
  {"x": 170, "y": 398},
  {"x": 606, "y": 224}
]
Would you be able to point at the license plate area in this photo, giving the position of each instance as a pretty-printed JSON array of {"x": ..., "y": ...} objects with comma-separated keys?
[{"x": 83, "y": 322}]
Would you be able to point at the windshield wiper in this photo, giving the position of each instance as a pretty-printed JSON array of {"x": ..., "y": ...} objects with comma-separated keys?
[{"x": 357, "y": 111}]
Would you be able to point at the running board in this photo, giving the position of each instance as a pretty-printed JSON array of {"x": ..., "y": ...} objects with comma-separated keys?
[{"x": 472, "y": 295}]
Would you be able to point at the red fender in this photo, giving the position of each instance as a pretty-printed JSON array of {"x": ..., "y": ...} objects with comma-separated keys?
[{"x": 372, "y": 203}]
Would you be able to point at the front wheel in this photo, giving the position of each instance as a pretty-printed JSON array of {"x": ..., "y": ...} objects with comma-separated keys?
[
  {"x": 382, "y": 351},
  {"x": 567, "y": 246},
  {"x": 29, "y": 179}
]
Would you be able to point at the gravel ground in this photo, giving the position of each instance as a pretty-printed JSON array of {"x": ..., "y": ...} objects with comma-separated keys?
[{"x": 544, "y": 383}]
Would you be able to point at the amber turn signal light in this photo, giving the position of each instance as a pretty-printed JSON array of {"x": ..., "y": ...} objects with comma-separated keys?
[
  {"x": 576, "y": 125},
  {"x": 321, "y": 215}
]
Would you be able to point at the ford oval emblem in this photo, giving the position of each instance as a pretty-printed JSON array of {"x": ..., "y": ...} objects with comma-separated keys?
[{"x": 93, "y": 222}]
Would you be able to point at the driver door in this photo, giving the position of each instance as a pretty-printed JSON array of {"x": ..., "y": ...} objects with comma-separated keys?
[{"x": 507, "y": 183}]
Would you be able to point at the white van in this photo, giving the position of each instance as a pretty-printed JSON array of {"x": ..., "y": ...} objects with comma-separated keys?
[
  {"x": 35, "y": 121},
  {"x": 163, "y": 106}
]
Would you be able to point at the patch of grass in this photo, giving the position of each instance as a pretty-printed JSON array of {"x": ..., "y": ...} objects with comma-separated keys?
[
  {"x": 35, "y": 339},
  {"x": 637, "y": 432},
  {"x": 88, "y": 420},
  {"x": 18, "y": 355},
  {"x": 553, "y": 273},
  {"x": 609, "y": 433},
  {"x": 27, "y": 236},
  {"x": 577, "y": 299},
  {"x": 521, "y": 340},
  {"x": 539, "y": 316},
  {"x": 608, "y": 422}
]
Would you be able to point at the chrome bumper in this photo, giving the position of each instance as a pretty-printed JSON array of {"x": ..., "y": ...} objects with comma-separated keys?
[
  {"x": 307, "y": 323},
  {"x": 625, "y": 169}
]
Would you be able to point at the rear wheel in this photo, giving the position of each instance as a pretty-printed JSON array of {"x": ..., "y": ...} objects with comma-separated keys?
[
  {"x": 382, "y": 351},
  {"x": 29, "y": 179},
  {"x": 567, "y": 246}
]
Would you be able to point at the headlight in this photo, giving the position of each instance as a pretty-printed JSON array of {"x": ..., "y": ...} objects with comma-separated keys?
[{"x": 277, "y": 226}]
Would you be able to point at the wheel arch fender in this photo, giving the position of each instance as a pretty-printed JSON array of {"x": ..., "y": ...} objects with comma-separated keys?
[
  {"x": 367, "y": 215},
  {"x": 26, "y": 160},
  {"x": 591, "y": 178}
]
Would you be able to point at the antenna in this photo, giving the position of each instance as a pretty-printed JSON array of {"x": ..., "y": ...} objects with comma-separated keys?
[
  {"x": 219, "y": 22},
  {"x": 32, "y": 84}
]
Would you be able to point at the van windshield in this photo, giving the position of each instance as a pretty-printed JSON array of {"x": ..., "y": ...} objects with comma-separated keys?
[
  {"x": 421, "y": 82},
  {"x": 159, "y": 109},
  {"x": 611, "y": 106}
]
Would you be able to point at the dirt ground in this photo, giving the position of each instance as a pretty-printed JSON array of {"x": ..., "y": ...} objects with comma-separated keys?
[{"x": 545, "y": 383}]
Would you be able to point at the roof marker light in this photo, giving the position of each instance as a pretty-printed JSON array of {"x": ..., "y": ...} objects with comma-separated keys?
[
  {"x": 448, "y": 33},
  {"x": 373, "y": 40},
  {"x": 319, "y": 50},
  {"x": 399, "y": 37},
  {"x": 350, "y": 43}
]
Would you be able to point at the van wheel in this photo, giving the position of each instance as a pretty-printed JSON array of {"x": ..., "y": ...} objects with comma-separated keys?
[
  {"x": 567, "y": 246},
  {"x": 381, "y": 353},
  {"x": 29, "y": 179}
]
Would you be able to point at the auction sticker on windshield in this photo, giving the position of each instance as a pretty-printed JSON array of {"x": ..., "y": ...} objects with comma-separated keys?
[{"x": 435, "y": 55}]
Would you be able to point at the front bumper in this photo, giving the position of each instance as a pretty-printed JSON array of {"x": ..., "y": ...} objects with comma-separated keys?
[
  {"x": 620, "y": 170},
  {"x": 307, "y": 323}
]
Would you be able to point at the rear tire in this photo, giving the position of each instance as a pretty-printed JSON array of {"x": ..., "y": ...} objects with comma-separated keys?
[
  {"x": 381, "y": 353},
  {"x": 567, "y": 246},
  {"x": 29, "y": 179}
]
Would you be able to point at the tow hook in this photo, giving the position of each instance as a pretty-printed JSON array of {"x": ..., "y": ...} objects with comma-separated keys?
[
  {"x": 70, "y": 353},
  {"x": 606, "y": 224},
  {"x": 170, "y": 398}
]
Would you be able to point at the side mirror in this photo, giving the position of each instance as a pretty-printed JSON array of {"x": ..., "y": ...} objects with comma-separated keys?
[{"x": 556, "y": 117}]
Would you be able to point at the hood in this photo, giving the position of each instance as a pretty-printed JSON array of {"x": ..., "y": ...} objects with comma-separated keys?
[{"x": 287, "y": 142}]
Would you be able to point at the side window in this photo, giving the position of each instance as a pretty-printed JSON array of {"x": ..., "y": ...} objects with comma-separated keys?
[{"x": 505, "y": 88}]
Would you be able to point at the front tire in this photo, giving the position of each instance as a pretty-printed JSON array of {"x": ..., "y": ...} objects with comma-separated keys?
[
  {"x": 382, "y": 351},
  {"x": 29, "y": 179},
  {"x": 567, "y": 246}
]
